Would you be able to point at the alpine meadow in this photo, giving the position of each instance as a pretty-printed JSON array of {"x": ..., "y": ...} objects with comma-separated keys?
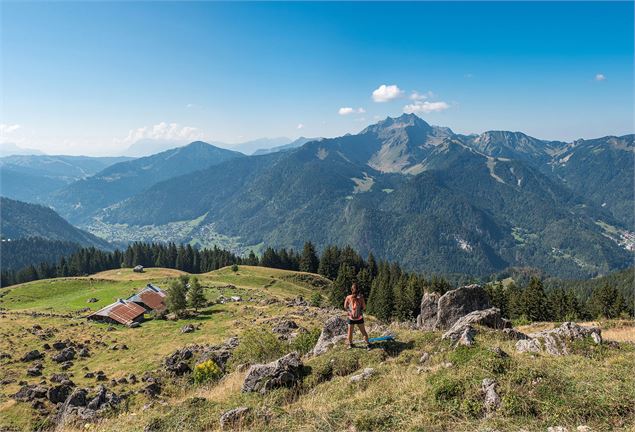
[{"x": 317, "y": 216}]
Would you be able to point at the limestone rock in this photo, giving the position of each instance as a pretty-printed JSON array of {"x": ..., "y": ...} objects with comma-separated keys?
[
  {"x": 233, "y": 418},
  {"x": 492, "y": 399},
  {"x": 334, "y": 331},
  {"x": 457, "y": 303},
  {"x": 427, "y": 318},
  {"x": 555, "y": 341},
  {"x": 284, "y": 372},
  {"x": 366, "y": 373}
]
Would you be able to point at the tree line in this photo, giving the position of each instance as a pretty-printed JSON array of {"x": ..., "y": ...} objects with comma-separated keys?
[{"x": 391, "y": 292}]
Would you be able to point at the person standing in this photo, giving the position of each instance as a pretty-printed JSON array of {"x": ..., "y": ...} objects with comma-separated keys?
[{"x": 355, "y": 305}]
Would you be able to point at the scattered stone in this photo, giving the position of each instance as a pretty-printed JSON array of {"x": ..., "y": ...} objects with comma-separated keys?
[
  {"x": 583, "y": 429},
  {"x": 424, "y": 358},
  {"x": 101, "y": 376},
  {"x": 284, "y": 372},
  {"x": 92, "y": 300},
  {"x": 32, "y": 355},
  {"x": 467, "y": 336},
  {"x": 58, "y": 378},
  {"x": 555, "y": 341},
  {"x": 46, "y": 346},
  {"x": 65, "y": 355},
  {"x": 492, "y": 399},
  {"x": 188, "y": 328},
  {"x": 84, "y": 352},
  {"x": 89, "y": 375},
  {"x": 4, "y": 355},
  {"x": 59, "y": 345},
  {"x": 132, "y": 378},
  {"x": 30, "y": 392},
  {"x": 176, "y": 364},
  {"x": 499, "y": 352},
  {"x": 34, "y": 371},
  {"x": 233, "y": 418},
  {"x": 152, "y": 389},
  {"x": 334, "y": 331},
  {"x": 366, "y": 373},
  {"x": 557, "y": 429},
  {"x": 58, "y": 393},
  {"x": 134, "y": 324}
]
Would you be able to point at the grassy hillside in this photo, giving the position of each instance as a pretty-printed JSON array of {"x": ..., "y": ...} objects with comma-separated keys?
[{"x": 592, "y": 387}]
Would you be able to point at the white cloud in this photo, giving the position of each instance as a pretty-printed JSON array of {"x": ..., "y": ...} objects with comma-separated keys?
[
  {"x": 385, "y": 93},
  {"x": 425, "y": 107},
  {"x": 6, "y": 129},
  {"x": 7, "y": 133},
  {"x": 348, "y": 110},
  {"x": 300, "y": 126},
  {"x": 415, "y": 95},
  {"x": 164, "y": 131},
  {"x": 600, "y": 77}
]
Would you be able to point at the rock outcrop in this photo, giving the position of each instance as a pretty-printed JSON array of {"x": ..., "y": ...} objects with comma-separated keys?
[
  {"x": 555, "y": 341},
  {"x": 284, "y": 372},
  {"x": 457, "y": 303},
  {"x": 334, "y": 331},
  {"x": 427, "y": 318},
  {"x": 441, "y": 312}
]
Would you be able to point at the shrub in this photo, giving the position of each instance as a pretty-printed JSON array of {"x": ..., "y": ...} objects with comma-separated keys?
[
  {"x": 305, "y": 341},
  {"x": 258, "y": 346},
  {"x": 206, "y": 371},
  {"x": 316, "y": 299},
  {"x": 235, "y": 268}
]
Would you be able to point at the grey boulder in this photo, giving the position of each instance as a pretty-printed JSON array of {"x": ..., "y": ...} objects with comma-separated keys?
[
  {"x": 334, "y": 331},
  {"x": 284, "y": 372}
]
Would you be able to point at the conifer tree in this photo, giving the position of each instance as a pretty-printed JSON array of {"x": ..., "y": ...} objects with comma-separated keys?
[
  {"x": 364, "y": 282},
  {"x": 196, "y": 296},
  {"x": 342, "y": 285},
  {"x": 535, "y": 303},
  {"x": 177, "y": 297},
  {"x": 309, "y": 261},
  {"x": 381, "y": 295}
]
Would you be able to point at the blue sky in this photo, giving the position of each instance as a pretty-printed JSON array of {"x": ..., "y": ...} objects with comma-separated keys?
[{"x": 90, "y": 78}]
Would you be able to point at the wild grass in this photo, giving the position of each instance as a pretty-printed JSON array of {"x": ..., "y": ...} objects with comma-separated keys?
[{"x": 594, "y": 386}]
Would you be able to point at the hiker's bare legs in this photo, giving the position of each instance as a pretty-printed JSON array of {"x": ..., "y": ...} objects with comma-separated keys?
[
  {"x": 350, "y": 334},
  {"x": 363, "y": 330}
]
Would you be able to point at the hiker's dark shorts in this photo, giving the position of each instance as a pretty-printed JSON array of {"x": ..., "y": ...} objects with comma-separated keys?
[{"x": 359, "y": 321}]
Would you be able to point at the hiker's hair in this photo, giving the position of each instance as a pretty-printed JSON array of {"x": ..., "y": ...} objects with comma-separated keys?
[{"x": 354, "y": 287}]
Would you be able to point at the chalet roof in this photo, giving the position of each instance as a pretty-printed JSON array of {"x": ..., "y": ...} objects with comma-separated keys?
[
  {"x": 122, "y": 311},
  {"x": 151, "y": 296}
]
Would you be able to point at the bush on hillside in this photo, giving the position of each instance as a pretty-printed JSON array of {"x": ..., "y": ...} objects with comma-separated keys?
[{"x": 206, "y": 371}]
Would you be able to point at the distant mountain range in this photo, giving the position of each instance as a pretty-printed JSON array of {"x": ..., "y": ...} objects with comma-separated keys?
[
  {"x": 82, "y": 199},
  {"x": 408, "y": 191},
  {"x": 22, "y": 220},
  {"x": 34, "y": 177},
  {"x": 293, "y": 144},
  {"x": 8, "y": 149}
]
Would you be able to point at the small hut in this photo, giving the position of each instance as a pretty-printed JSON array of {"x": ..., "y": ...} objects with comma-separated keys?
[{"x": 120, "y": 312}]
